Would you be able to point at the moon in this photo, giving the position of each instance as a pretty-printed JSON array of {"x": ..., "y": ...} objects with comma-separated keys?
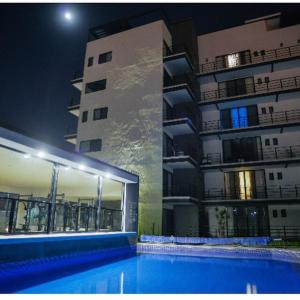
[{"x": 68, "y": 16}]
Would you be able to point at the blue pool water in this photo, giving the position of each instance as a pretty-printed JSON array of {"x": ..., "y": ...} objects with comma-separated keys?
[{"x": 150, "y": 273}]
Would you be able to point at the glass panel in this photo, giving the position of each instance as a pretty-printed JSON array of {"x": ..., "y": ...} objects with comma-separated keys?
[
  {"x": 233, "y": 60},
  {"x": 111, "y": 205},
  {"x": 24, "y": 186},
  {"x": 76, "y": 201}
]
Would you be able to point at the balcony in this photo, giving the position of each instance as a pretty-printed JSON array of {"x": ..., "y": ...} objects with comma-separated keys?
[
  {"x": 253, "y": 59},
  {"x": 74, "y": 108},
  {"x": 180, "y": 194},
  {"x": 177, "y": 122},
  {"x": 71, "y": 138},
  {"x": 178, "y": 59},
  {"x": 249, "y": 91},
  {"x": 269, "y": 155},
  {"x": 272, "y": 192},
  {"x": 264, "y": 121},
  {"x": 176, "y": 158},
  {"x": 77, "y": 81},
  {"x": 180, "y": 89}
]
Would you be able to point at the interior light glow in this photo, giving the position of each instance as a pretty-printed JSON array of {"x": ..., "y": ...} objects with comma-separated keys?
[
  {"x": 27, "y": 155},
  {"x": 41, "y": 154},
  {"x": 67, "y": 168},
  {"x": 68, "y": 16},
  {"x": 95, "y": 176}
]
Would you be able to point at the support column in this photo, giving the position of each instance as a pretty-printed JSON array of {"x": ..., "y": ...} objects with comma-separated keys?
[
  {"x": 52, "y": 197},
  {"x": 98, "y": 201},
  {"x": 123, "y": 208}
]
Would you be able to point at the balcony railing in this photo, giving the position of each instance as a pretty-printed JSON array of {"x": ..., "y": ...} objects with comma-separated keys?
[
  {"x": 172, "y": 114},
  {"x": 253, "y": 89},
  {"x": 268, "y": 153},
  {"x": 257, "y": 192},
  {"x": 180, "y": 190},
  {"x": 269, "y": 55},
  {"x": 262, "y": 119},
  {"x": 20, "y": 214}
]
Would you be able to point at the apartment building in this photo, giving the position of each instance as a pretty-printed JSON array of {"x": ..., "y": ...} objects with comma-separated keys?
[{"x": 209, "y": 122}]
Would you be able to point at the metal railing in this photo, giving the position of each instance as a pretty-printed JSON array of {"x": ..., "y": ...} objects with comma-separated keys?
[
  {"x": 20, "y": 214},
  {"x": 73, "y": 102},
  {"x": 254, "y": 58},
  {"x": 173, "y": 114},
  {"x": 179, "y": 190},
  {"x": 267, "y": 153},
  {"x": 262, "y": 119},
  {"x": 252, "y": 89},
  {"x": 255, "y": 192}
]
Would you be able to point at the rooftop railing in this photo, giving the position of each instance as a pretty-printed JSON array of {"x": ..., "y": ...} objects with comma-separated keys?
[
  {"x": 268, "y": 153},
  {"x": 288, "y": 116},
  {"x": 31, "y": 215},
  {"x": 255, "y": 58},
  {"x": 255, "y": 192},
  {"x": 252, "y": 89}
]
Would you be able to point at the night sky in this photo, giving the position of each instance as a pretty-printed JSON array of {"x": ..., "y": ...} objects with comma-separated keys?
[{"x": 40, "y": 51}]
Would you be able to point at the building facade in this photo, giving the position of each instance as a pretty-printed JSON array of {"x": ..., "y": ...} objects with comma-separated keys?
[{"x": 209, "y": 122}]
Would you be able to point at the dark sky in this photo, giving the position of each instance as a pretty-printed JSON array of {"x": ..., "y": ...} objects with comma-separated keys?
[{"x": 40, "y": 51}]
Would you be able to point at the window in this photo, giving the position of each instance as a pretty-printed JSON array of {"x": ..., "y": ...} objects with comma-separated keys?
[
  {"x": 233, "y": 60},
  {"x": 105, "y": 57},
  {"x": 275, "y": 213},
  {"x": 95, "y": 86},
  {"x": 275, "y": 141},
  {"x": 90, "y": 145},
  {"x": 84, "y": 116},
  {"x": 267, "y": 79},
  {"x": 100, "y": 113},
  {"x": 90, "y": 61},
  {"x": 263, "y": 110},
  {"x": 279, "y": 175},
  {"x": 255, "y": 53},
  {"x": 263, "y": 52},
  {"x": 267, "y": 142},
  {"x": 283, "y": 213},
  {"x": 271, "y": 109},
  {"x": 271, "y": 176},
  {"x": 259, "y": 81}
]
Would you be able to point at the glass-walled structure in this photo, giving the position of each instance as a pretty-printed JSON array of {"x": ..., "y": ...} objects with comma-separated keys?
[{"x": 42, "y": 194}]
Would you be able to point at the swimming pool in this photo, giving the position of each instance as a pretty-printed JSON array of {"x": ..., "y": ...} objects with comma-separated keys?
[{"x": 160, "y": 273}]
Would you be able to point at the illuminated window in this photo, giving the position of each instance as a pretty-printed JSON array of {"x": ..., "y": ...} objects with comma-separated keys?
[{"x": 233, "y": 60}]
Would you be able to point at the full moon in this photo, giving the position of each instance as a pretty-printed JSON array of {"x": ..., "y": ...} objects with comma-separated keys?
[{"x": 68, "y": 16}]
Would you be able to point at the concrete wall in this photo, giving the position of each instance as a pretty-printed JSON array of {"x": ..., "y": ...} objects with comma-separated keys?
[
  {"x": 132, "y": 133},
  {"x": 186, "y": 221}
]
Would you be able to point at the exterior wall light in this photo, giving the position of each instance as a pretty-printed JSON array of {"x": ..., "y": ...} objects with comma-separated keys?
[
  {"x": 107, "y": 175},
  {"x": 95, "y": 176},
  {"x": 26, "y": 155},
  {"x": 67, "y": 168},
  {"x": 81, "y": 167}
]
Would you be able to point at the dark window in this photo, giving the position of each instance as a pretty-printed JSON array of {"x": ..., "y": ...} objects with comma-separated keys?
[
  {"x": 283, "y": 213},
  {"x": 267, "y": 142},
  {"x": 271, "y": 109},
  {"x": 84, "y": 116},
  {"x": 255, "y": 53},
  {"x": 267, "y": 79},
  {"x": 259, "y": 81},
  {"x": 236, "y": 87},
  {"x": 279, "y": 175},
  {"x": 105, "y": 57},
  {"x": 90, "y": 61},
  {"x": 263, "y": 52},
  {"x": 275, "y": 141},
  {"x": 95, "y": 86},
  {"x": 100, "y": 113},
  {"x": 90, "y": 145},
  {"x": 281, "y": 44},
  {"x": 263, "y": 110},
  {"x": 275, "y": 213},
  {"x": 271, "y": 176}
]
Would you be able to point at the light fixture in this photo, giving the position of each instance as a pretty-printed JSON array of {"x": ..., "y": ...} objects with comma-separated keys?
[
  {"x": 41, "y": 154},
  {"x": 81, "y": 167},
  {"x": 26, "y": 155},
  {"x": 68, "y": 16},
  {"x": 67, "y": 168},
  {"x": 107, "y": 175},
  {"x": 95, "y": 176}
]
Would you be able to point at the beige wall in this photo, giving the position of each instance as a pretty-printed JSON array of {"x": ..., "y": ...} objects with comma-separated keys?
[{"x": 132, "y": 133}]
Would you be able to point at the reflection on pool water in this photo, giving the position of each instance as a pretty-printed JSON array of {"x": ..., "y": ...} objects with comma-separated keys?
[{"x": 150, "y": 273}]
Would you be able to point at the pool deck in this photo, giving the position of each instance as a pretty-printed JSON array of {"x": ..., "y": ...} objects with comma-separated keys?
[{"x": 227, "y": 251}]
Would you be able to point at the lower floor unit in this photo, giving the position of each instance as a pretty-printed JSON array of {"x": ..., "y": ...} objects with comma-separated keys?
[{"x": 277, "y": 220}]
